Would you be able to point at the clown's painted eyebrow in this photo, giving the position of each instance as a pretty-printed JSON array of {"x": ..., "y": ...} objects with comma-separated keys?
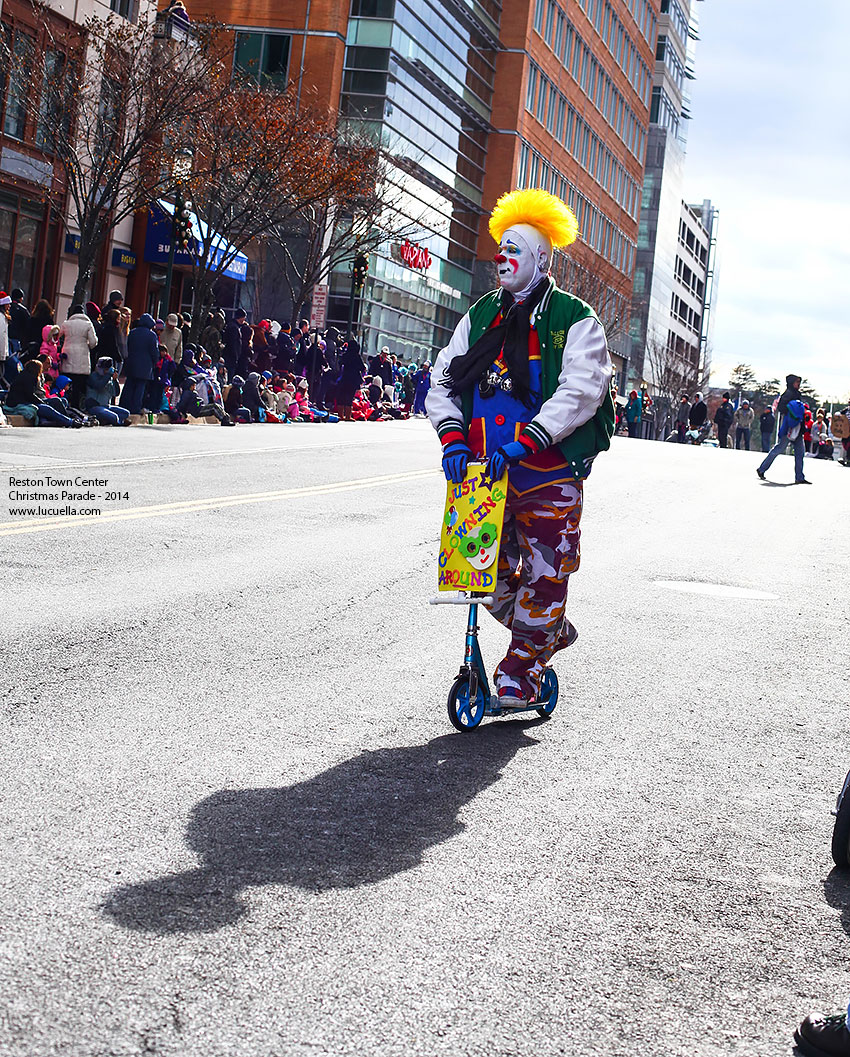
[{"x": 510, "y": 245}]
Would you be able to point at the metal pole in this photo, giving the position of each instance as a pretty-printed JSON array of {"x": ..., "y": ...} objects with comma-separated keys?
[
  {"x": 169, "y": 274},
  {"x": 351, "y": 303}
]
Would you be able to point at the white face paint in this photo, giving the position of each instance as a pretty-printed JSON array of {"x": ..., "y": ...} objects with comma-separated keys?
[{"x": 522, "y": 260}]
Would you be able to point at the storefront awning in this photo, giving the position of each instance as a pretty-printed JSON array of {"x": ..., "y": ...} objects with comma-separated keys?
[{"x": 158, "y": 243}]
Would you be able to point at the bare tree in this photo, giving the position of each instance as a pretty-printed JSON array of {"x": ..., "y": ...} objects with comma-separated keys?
[
  {"x": 252, "y": 179},
  {"x": 672, "y": 372},
  {"x": 114, "y": 106},
  {"x": 610, "y": 301},
  {"x": 363, "y": 214}
]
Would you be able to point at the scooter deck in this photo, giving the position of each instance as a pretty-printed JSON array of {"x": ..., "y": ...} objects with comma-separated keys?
[{"x": 495, "y": 709}]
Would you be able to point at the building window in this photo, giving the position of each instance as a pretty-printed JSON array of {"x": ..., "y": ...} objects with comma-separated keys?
[
  {"x": 264, "y": 57},
  {"x": 531, "y": 90},
  {"x": 15, "y": 120},
  {"x": 124, "y": 8}
]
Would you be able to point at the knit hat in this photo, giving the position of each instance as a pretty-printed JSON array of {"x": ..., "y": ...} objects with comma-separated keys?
[
  {"x": 302, "y": 384},
  {"x": 4, "y": 298},
  {"x": 62, "y": 382},
  {"x": 104, "y": 361}
]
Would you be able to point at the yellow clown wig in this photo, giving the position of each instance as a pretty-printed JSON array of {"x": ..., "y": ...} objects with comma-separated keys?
[{"x": 543, "y": 211}]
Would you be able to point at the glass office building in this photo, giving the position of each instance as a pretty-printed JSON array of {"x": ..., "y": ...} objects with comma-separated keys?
[{"x": 419, "y": 76}]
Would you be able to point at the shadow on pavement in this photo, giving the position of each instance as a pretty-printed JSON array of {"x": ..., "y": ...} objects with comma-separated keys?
[
  {"x": 358, "y": 823},
  {"x": 836, "y": 889}
]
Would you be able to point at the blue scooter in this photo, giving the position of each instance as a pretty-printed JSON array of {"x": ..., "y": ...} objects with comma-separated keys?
[{"x": 470, "y": 699}]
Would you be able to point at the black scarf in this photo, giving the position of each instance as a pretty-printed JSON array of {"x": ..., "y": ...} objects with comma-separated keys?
[{"x": 510, "y": 337}]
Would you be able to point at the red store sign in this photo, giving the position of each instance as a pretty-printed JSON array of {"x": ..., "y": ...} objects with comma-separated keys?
[{"x": 414, "y": 255}]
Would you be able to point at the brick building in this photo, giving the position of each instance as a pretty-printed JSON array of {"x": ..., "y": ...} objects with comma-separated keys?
[
  {"x": 472, "y": 100},
  {"x": 37, "y": 241}
]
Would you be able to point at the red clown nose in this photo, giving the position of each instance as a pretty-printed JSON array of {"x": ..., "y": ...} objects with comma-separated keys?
[{"x": 500, "y": 258}]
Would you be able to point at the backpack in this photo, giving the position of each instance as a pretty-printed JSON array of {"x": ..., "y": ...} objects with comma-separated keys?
[{"x": 792, "y": 420}]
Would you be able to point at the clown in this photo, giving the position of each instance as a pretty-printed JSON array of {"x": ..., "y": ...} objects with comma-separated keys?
[{"x": 525, "y": 383}]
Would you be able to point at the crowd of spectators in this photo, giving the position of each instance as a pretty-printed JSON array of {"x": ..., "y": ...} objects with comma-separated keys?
[{"x": 104, "y": 367}]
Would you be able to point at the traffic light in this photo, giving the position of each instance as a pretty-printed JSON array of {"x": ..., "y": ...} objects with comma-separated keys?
[
  {"x": 361, "y": 270},
  {"x": 182, "y": 223}
]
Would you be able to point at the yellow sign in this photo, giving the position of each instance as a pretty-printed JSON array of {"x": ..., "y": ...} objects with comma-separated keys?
[{"x": 472, "y": 530}]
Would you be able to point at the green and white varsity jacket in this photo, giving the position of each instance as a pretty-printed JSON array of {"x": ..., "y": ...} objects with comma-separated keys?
[{"x": 577, "y": 412}]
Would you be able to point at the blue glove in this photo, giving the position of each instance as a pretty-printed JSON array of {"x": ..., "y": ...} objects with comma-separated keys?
[
  {"x": 456, "y": 456},
  {"x": 503, "y": 457}
]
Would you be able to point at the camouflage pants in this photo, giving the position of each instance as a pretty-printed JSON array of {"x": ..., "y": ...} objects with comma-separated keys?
[{"x": 539, "y": 550}]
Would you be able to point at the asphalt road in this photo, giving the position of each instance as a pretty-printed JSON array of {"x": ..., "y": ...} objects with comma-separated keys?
[{"x": 236, "y": 821}]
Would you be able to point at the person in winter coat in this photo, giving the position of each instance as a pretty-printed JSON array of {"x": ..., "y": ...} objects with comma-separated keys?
[
  {"x": 634, "y": 413},
  {"x": 767, "y": 424},
  {"x": 109, "y": 341},
  {"x": 78, "y": 338},
  {"x": 790, "y": 410},
  {"x": 682, "y": 418},
  {"x": 6, "y": 373},
  {"x": 212, "y": 336},
  {"x": 191, "y": 404},
  {"x": 743, "y": 425},
  {"x": 724, "y": 416},
  {"x": 352, "y": 368},
  {"x": 26, "y": 393},
  {"x": 408, "y": 390},
  {"x": 125, "y": 319},
  {"x": 42, "y": 316},
  {"x": 233, "y": 404},
  {"x": 50, "y": 349},
  {"x": 19, "y": 319},
  {"x": 140, "y": 365},
  {"x": 285, "y": 358},
  {"x": 423, "y": 387},
  {"x": 101, "y": 390},
  {"x": 251, "y": 396},
  {"x": 698, "y": 413},
  {"x": 93, "y": 312},
  {"x": 172, "y": 337}
]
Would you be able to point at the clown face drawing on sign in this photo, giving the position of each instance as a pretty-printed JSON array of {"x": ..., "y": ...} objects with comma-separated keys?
[{"x": 481, "y": 550}]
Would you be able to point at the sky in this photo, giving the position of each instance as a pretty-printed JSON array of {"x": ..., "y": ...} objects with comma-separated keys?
[{"x": 769, "y": 144}]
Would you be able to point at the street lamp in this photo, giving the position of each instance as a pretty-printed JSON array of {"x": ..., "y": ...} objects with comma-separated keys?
[{"x": 181, "y": 170}]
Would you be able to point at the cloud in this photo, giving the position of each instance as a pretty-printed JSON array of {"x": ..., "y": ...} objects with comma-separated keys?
[{"x": 769, "y": 146}]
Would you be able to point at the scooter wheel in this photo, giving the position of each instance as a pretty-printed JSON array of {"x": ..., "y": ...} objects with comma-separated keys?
[
  {"x": 841, "y": 829},
  {"x": 465, "y": 714},
  {"x": 548, "y": 694}
]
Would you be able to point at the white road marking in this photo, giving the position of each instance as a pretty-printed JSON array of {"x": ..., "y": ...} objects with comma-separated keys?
[
  {"x": 191, "y": 506},
  {"x": 716, "y": 590}
]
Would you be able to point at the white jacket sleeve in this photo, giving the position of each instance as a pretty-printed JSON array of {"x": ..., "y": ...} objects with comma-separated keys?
[
  {"x": 584, "y": 379},
  {"x": 442, "y": 407}
]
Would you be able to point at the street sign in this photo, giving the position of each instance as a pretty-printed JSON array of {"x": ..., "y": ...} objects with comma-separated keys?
[{"x": 319, "y": 310}]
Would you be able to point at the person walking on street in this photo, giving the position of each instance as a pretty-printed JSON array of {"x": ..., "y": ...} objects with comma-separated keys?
[
  {"x": 767, "y": 424},
  {"x": 791, "y": 411},
  {"x": 634, "y": 411},
  {"x": 724, "y": 416},
  {"x": 743, "y": 425}
]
